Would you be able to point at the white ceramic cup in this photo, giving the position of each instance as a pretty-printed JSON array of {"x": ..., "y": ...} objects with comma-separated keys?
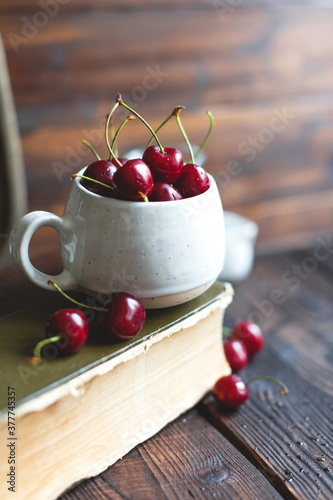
[{"x": 164, "y": 253}]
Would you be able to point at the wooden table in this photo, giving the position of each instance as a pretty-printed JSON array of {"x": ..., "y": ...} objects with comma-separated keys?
[{"x": 274, "y": 446}]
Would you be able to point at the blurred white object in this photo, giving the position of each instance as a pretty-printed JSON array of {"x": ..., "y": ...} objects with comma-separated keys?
[{"x": 241, "y": 234}]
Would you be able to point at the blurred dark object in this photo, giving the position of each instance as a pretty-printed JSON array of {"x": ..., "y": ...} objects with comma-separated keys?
[{"x": 13, "y": 195}]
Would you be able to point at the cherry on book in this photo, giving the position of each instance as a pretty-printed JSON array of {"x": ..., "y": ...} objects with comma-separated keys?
[
  {"x": 67, "y": 329},
  {"x": 124, "y": 317}
]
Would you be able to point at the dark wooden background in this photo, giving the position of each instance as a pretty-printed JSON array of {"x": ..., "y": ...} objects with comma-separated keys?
[
  {"x": 250, "y": 62},
  {"x": 265, "y": 69}
]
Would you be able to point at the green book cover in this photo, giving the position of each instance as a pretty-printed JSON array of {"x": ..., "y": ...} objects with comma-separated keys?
[{"x": 19, "y": 333}]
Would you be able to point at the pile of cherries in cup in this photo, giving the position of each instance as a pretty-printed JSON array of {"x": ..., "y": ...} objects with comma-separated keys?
[{"x": 160, "y": 175}]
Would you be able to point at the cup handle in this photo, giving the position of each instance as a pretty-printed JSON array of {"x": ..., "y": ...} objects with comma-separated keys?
[{"x": 19, "y": 242}]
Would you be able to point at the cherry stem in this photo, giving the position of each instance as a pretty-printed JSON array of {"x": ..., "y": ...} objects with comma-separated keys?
[
  {"x": 227, "y": 331},
  {"x": 176, "y": 113},
  {"x": 112, "y": 132},
  {"x": 107, "y": 134},
  {"x": 130, "y": 117},
  {"x": 120, "y": 101},
  {"x": 204, "y": 142},
  {"x": 144, "y": 196},
  {"x": 36, "y": 358},
  {"x": 86, "y": 143},
  {"x": 92, "y": 180},
  {"x": 52, "y": 283},
  {"x": 159, "y": 128},
  {"x": 272, "y": 379}
]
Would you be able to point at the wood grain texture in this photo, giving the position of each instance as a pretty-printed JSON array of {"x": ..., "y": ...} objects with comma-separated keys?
[
  {"x": 238, "y": 59},
  {"x": 188, "y": 459},
  {"x": 252, "y": 64},
  {"x": 228, "y": 5},
  {"x": 289, "y": 437}
]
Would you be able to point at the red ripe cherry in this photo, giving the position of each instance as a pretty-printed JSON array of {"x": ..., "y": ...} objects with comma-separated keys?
[
  {"x": 192, "y": 181},
  {"x": 230, "y": 391},
  {"x": 124, "y": 318},
  {"x": 101, "y": 171},
  {"x": 236, "y": 354},
  {"x": 72, "y": 326},
  {"x": 165, "y": 192},
  {"x": 165, "y": 167},
  {"x": 250, "y": 334},
  {"x": 134, "y": 181},
  {"x": 67, "y": 329}
]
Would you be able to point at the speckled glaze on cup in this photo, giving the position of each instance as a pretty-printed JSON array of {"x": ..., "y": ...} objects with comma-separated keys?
[{"x": 164, "y": 253}]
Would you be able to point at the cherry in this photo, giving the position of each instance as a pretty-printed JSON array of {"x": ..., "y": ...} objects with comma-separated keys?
[
  {"x": 162, "y": 165},
  {"x": 166, "y": 165},
  {"x": 67, "y": 329},
  {"x": 124, "y": 318},
  {"x": 102, "y": 171},
  {"x": 134, "y": 180},
  {"x": 192, "y": 181},
  {"x": 236, "y": 354},
  {"x": 230, "y": 391},
  {"x": 72, "y": 326},
  {"x": 250, "y": 334},
  {"x": 165, "y": 192}
]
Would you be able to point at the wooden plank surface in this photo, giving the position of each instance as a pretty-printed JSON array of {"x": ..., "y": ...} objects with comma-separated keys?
[
  {"x": 116, "y": 5},
  {"x": 249, "y": 64},
  {"x": 290, "y": 437},
  {"x": 229, "y": 5},
  {"x": 188, "y": 459},
  {"x": 239, "y": 59}
]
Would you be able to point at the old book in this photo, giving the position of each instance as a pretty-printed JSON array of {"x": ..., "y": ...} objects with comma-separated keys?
[{"x": 72, "y": 417}]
